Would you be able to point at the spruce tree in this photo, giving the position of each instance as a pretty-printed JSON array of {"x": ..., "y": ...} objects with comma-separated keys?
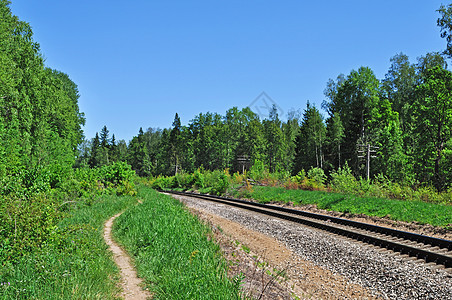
[{"x": 95, "y": 147}]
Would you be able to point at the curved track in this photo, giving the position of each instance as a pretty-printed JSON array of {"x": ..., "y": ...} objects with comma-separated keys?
[{"x": 430, "y": 249}]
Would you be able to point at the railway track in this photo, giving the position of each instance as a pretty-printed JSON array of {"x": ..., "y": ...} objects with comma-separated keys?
[{"x": 432, "y": 251}]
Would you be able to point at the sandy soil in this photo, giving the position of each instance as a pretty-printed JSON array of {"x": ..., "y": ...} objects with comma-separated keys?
[
  {"x": 256, "y": 255},
  {"x": 130, "y": 283}
]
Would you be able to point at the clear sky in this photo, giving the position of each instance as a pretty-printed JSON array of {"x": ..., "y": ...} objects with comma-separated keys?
[{"x": 138, "y": 62}]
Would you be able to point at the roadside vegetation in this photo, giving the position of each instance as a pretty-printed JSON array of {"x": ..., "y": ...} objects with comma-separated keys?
[
  {"x": 173, "y": 251},
  {"x": 341, "y": 192},
  {"x": 56, "y": 249},
  {"x": 58, "y": 252}
]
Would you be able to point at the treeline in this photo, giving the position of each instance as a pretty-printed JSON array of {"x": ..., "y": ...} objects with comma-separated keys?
[
  {"x": 399, "y": 127},
  {"x": 394, "y": 115},
  {"x": 40, "y": 132},
  {"x": 40, "y": 121},
  {"x": 40, "y": 129}
]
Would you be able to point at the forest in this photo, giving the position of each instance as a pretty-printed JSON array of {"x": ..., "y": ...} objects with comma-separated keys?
[
  {"x": 400, "y": 124},
  {"x": 404, "y": 120},
  {"x": 399, "y": 127}
]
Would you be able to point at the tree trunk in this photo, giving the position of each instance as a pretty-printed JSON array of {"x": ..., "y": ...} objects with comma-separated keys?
[
  {"x": 316, "y": 156},
  {"x": 438, "y": 179}
]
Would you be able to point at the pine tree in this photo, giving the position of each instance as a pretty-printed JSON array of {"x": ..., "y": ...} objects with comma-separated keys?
[
  {"x": 275, "y": 141},
  {"x": 138, "y": 156},
  {"x": 310, "y": 140},
  {"x": 95, "y": 146},
  {"x": 113, "y": 150},
  {"x": 175, "y": 142}
]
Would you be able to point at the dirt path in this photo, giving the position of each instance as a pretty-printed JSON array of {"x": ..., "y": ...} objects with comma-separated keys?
[{"x": 130, "y": 283}]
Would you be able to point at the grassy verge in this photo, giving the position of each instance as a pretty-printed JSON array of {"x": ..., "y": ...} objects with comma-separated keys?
[
  {"x": 173, "y": 251},
  {"x": 75, "y": 265},
  {"x": 409, "y": 211}
]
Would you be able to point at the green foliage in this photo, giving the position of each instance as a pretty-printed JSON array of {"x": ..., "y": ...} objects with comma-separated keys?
[
  {"x": 138, "y": 155},
  {"x": 184, "y": 180},
  {"x": 409, "y": 211},
  {"x": 71, "y": 262},
  {"x": 434, "y": 129},
  {"x": 198, "y": 179},
  {"x": 309, "y": 142},
  {"x": 40, "y": 128},
  {"x": 162, "y": 182},
  {"x": 117, "y": 173},
  {"x": 217, "y": 181},
  {"x": 316, "y": 178},
  {"x": 214, "y": 182},
  {"x": 27, "y": 225},
  {"x": 343, "y": 180},
  {"x": 173, "y": 251},
  {"x": 445, "y": 23},
  {"x": 30, "y": 209},
  {"x": 258, "y": 171},
  {"x": 40, "y": 122},
  {"x": 238, "y": 178},
  {"x": 300, "y": 177},
  {"x": 275, "y": 146},
  {"x": 334, "y": 136}
]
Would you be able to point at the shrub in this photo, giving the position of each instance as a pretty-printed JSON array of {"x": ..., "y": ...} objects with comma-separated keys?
[
  {"x": 246, "y": 191},
  {"x": 198, "y": 179},
  {"x": 216, "y": 182},
  {"x": 258, "y": 171},
  {"x": 300, "y": 177},
  {"x": 162, "y": 182},
  {"x": 221, "y": 184},
  {"x": 26, "y": 224},
  {"x": 316, "y": 179},
  {"x": 238, "y": 178},
  {"x": 116, "y": 173},
  {"x": 270, "y": 179},
  {"x": 126, "y": 188},
  {"x": 343, "y": 180},
  {"x": 291, "y": 184},
  {"x": 184, "y": 180}
]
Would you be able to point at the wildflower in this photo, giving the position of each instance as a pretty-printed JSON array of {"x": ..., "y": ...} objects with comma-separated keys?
[{"x": 193, "y": 254}]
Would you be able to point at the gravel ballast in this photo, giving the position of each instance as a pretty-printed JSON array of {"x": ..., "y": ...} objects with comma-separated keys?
[{"x": 386, "y": 275}]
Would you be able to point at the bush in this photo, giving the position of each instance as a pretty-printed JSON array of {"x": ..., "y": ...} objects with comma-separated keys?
[
  {"x": 343, "y": 180},
  {"x": 316, "y": 179},
  {"x": 258, "y": 171},
  {"x": 198, "y": 179},
  {"x": 300, "y": 177},
  {"x": 184, "y": 180},
  {"x": 26, "y": 225},
  {"x": 292, "y": 183},
  {"x": 238, "y": 178},
  {"x": 219, "y": 182},
  {"x": 162, "y": 182},
  {"x": 116, "y": 173}
]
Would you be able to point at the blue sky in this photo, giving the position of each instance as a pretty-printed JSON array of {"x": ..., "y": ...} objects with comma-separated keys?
[{"x": 138, "y": 62}]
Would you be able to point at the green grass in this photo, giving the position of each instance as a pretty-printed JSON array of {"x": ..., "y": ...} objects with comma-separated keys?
[
  {"x": 402, "y": 210},
  {"x": 75, "y": 265},
  {"x": 173, "y": 251}
]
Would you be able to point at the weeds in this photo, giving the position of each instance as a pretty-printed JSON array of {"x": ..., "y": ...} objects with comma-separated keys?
[
  {"x": 74, "y": 263},
  {"x": 342, "y": 192},
  {"x": 408, "y": 211},
  {"x": 173, "y": 251}
]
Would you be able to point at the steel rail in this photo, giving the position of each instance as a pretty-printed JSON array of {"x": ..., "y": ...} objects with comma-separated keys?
[{"x": 420, "y": 252}]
